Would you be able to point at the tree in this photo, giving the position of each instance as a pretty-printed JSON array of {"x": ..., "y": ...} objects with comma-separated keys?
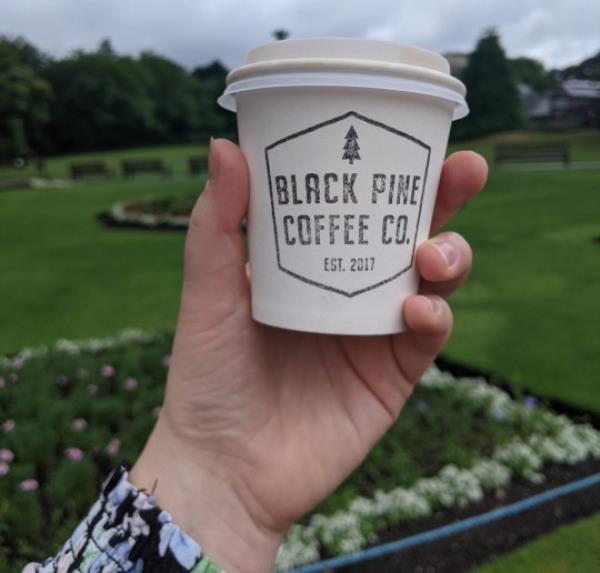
[
  {"x": 172, "y": 90},
  {"x": 589, "y": 69},
  {"x": 18, "y": 51},
  {"x": 351, "y": 146},
  {"x": 101, "y": 101},
  {"x": 492, "y": 93},
  {"x": 530, "y": 72},
  {"x": 106, "y": 48},
  {"x": 211, "y": 78},
  {"x": 280, "y": 34},
  {"x": 213, "y": 71},
  {"x": 24, "y": 98}
]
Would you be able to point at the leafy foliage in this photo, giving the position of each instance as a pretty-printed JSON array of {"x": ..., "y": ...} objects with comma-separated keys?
[
  {"x": 99, "y": 100},
  {"x": 589, "y": 69},
  {"x": 104, "y": 93},
  {"x": 491, "y": 91},
  {"x": 68, "y": 415},
  {"x": 530, "y": 72},
  {"x": 24, "y": 98},
  {"x": 72, "y": 417}
]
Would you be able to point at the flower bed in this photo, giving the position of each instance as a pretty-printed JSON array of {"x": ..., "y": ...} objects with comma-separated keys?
[
  {"x": 555, "y": 439},
  {"x": 70, "y": 413},
  {"x": 155, "y": 213}
]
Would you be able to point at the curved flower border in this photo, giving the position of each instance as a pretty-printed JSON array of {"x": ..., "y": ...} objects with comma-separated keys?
[
  {"x": 74, "y": 347},
  {"x": 120, "y": 213},
  {"x": 558, "y": 440}
]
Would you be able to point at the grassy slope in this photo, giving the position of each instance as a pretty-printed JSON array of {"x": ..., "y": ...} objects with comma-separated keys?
[
  {"x": 529, "y": 310},
  {"x": 570, "y": 549},
  {"x": 63, "y": 275}
]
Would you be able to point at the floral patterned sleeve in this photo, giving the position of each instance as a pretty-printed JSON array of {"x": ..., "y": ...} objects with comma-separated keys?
[{"x": 126, "y": 531}]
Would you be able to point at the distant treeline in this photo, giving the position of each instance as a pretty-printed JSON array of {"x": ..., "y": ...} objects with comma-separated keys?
[{"x": 98, "y": 100}]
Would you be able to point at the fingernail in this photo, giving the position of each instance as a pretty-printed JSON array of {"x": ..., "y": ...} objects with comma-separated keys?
[
  {"x": 448, "y": 251},
  {"x": 213, "y": 163}
]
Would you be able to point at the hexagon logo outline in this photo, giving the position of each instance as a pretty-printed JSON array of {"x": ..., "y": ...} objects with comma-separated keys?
[{"x": 310, "y": 129}]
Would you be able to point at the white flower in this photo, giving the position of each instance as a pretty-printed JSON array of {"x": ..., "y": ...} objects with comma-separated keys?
[
  {"x": 400, "y": 504},
  {"x": 340, "y": 533},
  {"x": 491, "y": 474},
  {"x": 520, "y": 458},
  {"x": 299, "y": 546}
]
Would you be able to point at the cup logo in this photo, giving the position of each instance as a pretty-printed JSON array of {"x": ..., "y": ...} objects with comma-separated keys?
[{"x": 346, "y": 198}]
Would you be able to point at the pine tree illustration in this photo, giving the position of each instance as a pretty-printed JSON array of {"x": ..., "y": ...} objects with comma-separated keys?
[{"x": 351, "y": 146}]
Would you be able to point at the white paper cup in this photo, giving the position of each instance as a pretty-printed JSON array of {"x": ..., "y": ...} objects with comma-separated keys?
[{"x": 345, "y": 140}]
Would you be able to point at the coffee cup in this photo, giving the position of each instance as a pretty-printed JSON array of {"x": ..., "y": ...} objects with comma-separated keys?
[{"x": 345, "y": 140}]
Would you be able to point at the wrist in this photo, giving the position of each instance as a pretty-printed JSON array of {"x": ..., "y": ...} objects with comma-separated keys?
[{"x": 204, "y": 502}]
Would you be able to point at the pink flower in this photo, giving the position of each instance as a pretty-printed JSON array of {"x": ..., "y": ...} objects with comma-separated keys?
[
  {"x": 79, "y": 424},
  {"x": 4, "y": 468},
  {"x": 106, "y": 371},
  {"x": 113, "y": 447},
  {"x": 130, "y": 383},
  {"x": 8, "y": 426},
  {"x": 73, "y": 454},
  {"x": 6, "y": 455},
  {"x": 166, "y": 361},
  {"x": 156, "y": 411},
  {"x": 29, "y": 485},
  {"x": 82, "y": 373},
  {"x": 92, "y": 389},
  {"x": 2, "y": 382},
  {"x": 18, "y": 363},
  {"x": 13, "y": 377},
  {"x": 62, "y": 380}
]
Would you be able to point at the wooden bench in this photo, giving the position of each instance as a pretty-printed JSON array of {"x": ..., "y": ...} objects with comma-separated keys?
[
  {"x": 131, "y": 167},
  {"x": 97, "y": 169},
  {"x": 534, "y": 152},
  {"x": 198, "y": 165}
]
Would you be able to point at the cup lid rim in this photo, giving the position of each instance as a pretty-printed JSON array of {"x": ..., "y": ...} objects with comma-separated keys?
[
  {"x": 345, "y": 62},
  {"x": 346, "y": 80},
  {"x": 341, "y": 65},
  {"x": 348, "y": 49}
]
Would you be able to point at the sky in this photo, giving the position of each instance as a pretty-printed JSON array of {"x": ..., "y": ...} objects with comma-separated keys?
[{"x": 195, "y": 32}]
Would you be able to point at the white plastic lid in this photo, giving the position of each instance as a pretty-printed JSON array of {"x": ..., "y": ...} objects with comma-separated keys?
[{"x": 346, "y": 62}]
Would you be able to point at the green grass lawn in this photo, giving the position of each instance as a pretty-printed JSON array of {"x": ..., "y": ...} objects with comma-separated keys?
[
  {"x": 530, "y": 309},
  {"x": 571, "y": 549},
  {"x": 64, "y": 275},
  {"x": 528, "y": 312}
]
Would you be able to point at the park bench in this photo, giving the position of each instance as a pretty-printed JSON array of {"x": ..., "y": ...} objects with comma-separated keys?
[
  {"x": 534, "y": 152},
  {"x": 11, "y": 184},
  {"x": 96, "y": 169},
  {"x": 131, "y": 167},
  {"x": 197, "y": 165}
]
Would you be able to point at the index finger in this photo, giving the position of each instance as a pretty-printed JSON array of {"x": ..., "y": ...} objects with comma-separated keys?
[{"x": 464, "y": 174}]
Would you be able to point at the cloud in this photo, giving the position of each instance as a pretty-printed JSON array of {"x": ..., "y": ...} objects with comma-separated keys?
[{"x": 194, "y": 32}]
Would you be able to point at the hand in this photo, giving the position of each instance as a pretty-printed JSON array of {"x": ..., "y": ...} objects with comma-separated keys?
[{"x": 260, "y": 424}]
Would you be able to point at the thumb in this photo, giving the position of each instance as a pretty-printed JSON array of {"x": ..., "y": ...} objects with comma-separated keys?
[{"x": 215, "y": 278}]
